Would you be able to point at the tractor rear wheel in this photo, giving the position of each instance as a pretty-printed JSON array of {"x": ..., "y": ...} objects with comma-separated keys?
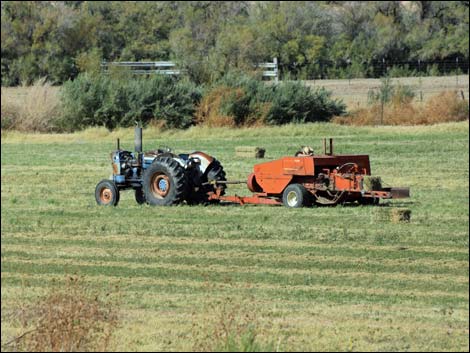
[
  {"x": 215, "y": 172},
  {"x": 295, "y": 196},
  {"x": 164, "y": 182},
  {"x": 106, "y": 193}
]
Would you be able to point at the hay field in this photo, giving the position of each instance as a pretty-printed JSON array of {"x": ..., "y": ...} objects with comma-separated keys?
[
  {"x": 354, "y": 92},
  {"x": 332, "y": 279}
]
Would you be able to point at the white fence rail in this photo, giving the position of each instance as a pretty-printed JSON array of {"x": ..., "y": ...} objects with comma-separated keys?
[{"x": 169, "y": 67}]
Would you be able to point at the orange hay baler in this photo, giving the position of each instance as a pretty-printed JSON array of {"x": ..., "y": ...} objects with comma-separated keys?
[{"x": 307, "y": 179}]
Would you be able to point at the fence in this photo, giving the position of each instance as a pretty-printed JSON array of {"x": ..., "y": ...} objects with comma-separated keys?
[
  {"x": 145, "y": 67},
  {"x": 324, "y": 69},
  {"x": 170, "y": 68},
  {"x": 328, "y": 69}
]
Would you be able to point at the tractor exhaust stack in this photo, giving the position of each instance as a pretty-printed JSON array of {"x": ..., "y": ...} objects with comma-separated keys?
[
  {"x": 138, "y": 145},
  {"x": 138, "y": 139}
]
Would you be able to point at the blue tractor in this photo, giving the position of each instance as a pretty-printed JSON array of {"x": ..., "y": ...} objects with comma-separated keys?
[{"x": 160, "y": 177}]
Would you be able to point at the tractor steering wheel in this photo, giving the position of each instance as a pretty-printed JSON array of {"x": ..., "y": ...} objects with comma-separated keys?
[{"x": 351, "y": 167}]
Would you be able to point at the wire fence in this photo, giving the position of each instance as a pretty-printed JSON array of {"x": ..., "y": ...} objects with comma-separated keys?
[
  {"x": 328, "y": 69},
  {"x": 321, "y": 69}
]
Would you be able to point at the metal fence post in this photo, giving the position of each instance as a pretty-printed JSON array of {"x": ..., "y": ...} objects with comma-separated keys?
[{"x": 276, "y": 70}]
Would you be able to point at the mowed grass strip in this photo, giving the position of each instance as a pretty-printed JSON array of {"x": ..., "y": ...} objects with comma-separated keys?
[
  {"x": 249, "y": 262},
  {"x": 257, "y": 245},
  {"x": 398, "y": 261},
  {"x": 157, "y": 243},
  {"x": 282, "y": 308},
  {"x": 300, "y": 294},
  {"x": 378, "y": 288}
]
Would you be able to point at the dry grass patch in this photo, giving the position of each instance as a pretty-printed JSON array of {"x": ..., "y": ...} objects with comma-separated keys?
[
  {"x": 32, "y": 108},
  {"x": 232, "y": 324},
  {"x": 208, "y": 111},
  {"x": 66, "y": 320},
  {"x": 443, "y": 108},
  {"x": 228, "y": 107}
]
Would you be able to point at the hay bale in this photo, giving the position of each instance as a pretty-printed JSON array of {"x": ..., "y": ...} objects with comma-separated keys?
[
  {"x": 400, "y": 215},
  {"x": 393, "y": 215},
  {"x": 249, "y": 151},
  {"x": 372, "y": 183}
]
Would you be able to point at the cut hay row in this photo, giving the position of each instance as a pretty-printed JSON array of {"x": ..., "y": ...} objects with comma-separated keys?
[
  {"x": 225, "y": 245},
  {"x": 302, "y": 293},
  {"x": 292, "y": 264},
  {"x": 144, "y": 252},
  {"x": 286, "y": 306},
  {"x": 329, "y": 227},
  {"x": 261, "y": 274},
  {"x": 218, "y": 273}
]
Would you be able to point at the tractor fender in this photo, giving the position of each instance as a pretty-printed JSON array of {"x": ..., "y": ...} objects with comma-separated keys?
[
  {"x": 205, "y": 159},
  {"x": 173, "y": 156}
]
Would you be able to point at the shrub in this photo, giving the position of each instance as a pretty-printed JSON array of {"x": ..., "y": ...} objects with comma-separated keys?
[
  {"x": 242, "y": 100},
  {"x": 112, "y": 101},
  {"x": 295, "y": 102},
  {"x": 401, "y": 71},
  {"x": 445, "y": 107},
  {"x": 388, "y": 92},
  {"x": 176, "y": 103},
  {"x": 81, "y": 100}
]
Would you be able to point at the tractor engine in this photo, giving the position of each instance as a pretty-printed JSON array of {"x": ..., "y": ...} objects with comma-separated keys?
[{"x": 125, "y": 166}]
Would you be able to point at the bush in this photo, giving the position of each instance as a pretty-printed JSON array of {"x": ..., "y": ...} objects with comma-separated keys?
[
  {"x": 235, "y": 100},
  {"x": 445, "y": 107},
  {"x": 295, "y": 102},
  {"x": 238, "y": 100},
  {"x": 112, "y": 101}
]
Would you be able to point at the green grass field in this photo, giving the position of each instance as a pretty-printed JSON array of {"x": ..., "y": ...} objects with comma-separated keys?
[{"x": 343, "y": 278}]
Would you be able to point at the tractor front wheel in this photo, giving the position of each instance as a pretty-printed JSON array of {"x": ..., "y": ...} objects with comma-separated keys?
[
  {"x": 295, "y": 196},
  {"x": 106, "y": 193}
]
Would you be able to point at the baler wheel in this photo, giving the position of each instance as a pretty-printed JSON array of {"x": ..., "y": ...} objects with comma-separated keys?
[
  {"x": 164, "y": 182},
  {"x": 295, "y": 196},
  {"x": 106, "y": 193}
]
